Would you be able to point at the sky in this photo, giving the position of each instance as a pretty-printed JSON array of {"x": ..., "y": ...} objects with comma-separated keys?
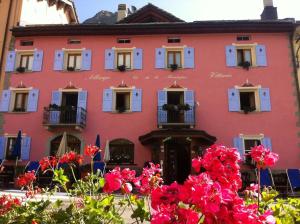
[{"x": 192, "y": 10}]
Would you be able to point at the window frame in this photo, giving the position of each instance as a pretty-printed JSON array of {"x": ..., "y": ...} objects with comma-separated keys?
[
  {"x": 118, "y": 51},
  {"x": 173, "y": 49},
  {"x": 20, "y": 55},
  {"x": 122, "y": 90},
  {"x": 24, "y": 102},
  {"x": 175, "y": 52},
  {"x": 124, "y": 54},
  {"x": 251, "y": 137},
  {"x": 251, "y": 47},
  {"x": 254, "y": 89},
  {"x": 132, "y": 146},
  {"x": 68, "y": 52},
  {"x": 14, "y": 92}
]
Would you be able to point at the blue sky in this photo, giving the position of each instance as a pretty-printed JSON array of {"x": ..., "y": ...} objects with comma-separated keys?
[{"x": 191, "y": 10}]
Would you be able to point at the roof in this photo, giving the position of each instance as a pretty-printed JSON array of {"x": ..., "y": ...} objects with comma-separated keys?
[
  {"x": 199, "y": 27},
  {"x": 150, "y": 13}
]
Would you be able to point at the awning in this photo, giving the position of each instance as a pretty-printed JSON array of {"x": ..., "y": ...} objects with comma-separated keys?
[{"x": 157, "y": 135}]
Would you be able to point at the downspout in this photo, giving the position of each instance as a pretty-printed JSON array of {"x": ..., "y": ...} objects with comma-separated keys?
[
  {"x": 295, "y": 67},
  {"x": 5, "y": 36}
]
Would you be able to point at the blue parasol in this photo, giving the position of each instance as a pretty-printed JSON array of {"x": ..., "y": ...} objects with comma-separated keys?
[
  {"x": 16, "y": 152},
  {"x": 97, "y": 157}
]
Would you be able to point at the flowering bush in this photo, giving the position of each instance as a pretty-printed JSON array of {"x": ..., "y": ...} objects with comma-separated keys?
[
  {"x": 263, "y": 156},
  {"x": 209, "y": 197}
]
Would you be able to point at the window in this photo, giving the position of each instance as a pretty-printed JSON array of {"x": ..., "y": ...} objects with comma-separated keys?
[
  {"x": 173, "y": 40},
  {"x": 247, "y": 100},
  {"x": 25, "y": 62},
  {"x": 73, "y": 143},
  {"x": 9, "y": 148},
  {"x": 121, "y": 151},
  {"x": 174, "y": 59},
  {"x": 124, "y": 60},
  {"x": 73, "y": 61},
  {"x": 244, "y": 57},
  {"x": 249, "y": 143},
  {"x": 122, "y": 101},
  {"x": 74, "y": 41},
  {"x": 123, "y": 41},
  {"x": 26, "y": 43},
  {"x": 243, "y": 38},
  {"x": 21, "y": 100}
]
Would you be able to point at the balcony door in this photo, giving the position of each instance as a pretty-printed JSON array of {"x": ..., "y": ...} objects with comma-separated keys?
[
  {"x": 177, "y": 164},
  {"x": 175, "y": 114},
  {"x": 69, "y": 107}
]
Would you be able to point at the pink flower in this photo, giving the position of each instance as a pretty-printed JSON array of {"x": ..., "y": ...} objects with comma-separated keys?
[
  {"x": 196, "y": 164},
  {"x": 126, "y": 188},
  {"x": 263, "y": 156},
  {"x": 113, "y": 182}
]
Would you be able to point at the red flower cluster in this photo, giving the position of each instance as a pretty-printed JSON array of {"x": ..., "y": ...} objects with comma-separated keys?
[
  {"x": 117, "y": 179},
  {"x": 7, "y": 203},
  {"x": 149, "y": 180},
  {"x": 26, "y": 179},
  {"x": 48, "y": 162},
  {"x": 263, "y": 156},
  {"x": 91, "y": 150},
  {"x": 211, "y": 194},
  {"x": 71, "y": 157}
]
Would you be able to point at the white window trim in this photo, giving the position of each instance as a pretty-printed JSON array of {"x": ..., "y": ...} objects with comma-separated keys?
[
  {"x": 251, "y": 137},
  {"x": 120, "y": 90},
  {"x": 254, "y": 89},
  {"x": 14, "y": 91},
  {"x": 123, "y": 50},
  {"x": 20, "y": 53},
  {"x": 6, "y": 135},
  {"x": 250, "y": 47}
]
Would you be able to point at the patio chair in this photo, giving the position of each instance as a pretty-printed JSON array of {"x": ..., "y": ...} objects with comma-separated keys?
[
  {"x": 99, "y": 166},
  {"x": 32, "y": 166},
  {"x": 294, "y": 179},
  {"x": 266, "y": 178}
]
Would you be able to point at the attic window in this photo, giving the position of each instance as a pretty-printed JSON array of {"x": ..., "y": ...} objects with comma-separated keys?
[
  {"x": 124, "y": 41},
  {"x": 174, "y": 40},
  {"x": 243, "y": 38},
  {"x": 26, "y": 42},
  {"x": 74, "y": 41}
]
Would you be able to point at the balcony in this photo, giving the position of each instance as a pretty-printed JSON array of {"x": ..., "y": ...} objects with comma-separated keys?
[
  {"x": 64, "y": 117},
  {"x": 175, "y": 116}
]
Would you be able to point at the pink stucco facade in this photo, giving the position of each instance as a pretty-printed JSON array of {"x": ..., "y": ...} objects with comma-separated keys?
[{"x": 210, "y": 79}]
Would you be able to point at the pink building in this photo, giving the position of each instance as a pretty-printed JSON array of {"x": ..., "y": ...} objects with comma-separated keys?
[{"x": 157, "y": 88}]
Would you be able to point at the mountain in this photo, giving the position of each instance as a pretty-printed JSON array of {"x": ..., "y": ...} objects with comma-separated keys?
[{"x": 103, "y": 17}]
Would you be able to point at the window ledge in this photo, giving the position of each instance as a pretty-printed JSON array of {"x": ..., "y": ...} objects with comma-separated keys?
[{"x": 125, "y": 112}]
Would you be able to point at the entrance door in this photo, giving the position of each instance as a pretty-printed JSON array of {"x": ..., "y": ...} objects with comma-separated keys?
[
  {"x": 177, "y": 160},
  {"x": 69, "y": 107}
]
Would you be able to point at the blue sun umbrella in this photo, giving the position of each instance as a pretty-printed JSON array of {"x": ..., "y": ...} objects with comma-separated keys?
[
  {"x": 16, "y": 152},
  {"x": 98, "y": 154}
]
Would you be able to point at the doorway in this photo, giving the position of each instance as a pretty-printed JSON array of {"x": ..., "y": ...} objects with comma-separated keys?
[
  {"x": 175, "y": 100},
  {"x": 73, "y": 144},
  {"x": 177, "y": 160},
  {"x": 69, "y": 107}
]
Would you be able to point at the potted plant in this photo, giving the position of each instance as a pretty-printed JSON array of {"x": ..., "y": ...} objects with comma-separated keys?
[
  {"x": 245, "y": 65},
  {"x": 121, "y": 109},
  {"x": 248, "y": 109},
  {"x": 122, "y": 68},
  {"x": 21, "y": 69},
  {"x": 173, "y": 67},
  {"x": 169, "y": 107},
  {"x": 70, "y": 69},
  {"x": 184, "y": 107}
]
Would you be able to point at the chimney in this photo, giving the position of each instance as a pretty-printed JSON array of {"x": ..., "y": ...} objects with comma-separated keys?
[
  {"x": 270, "y": 12},
  {"x": 122, "y": 12}
]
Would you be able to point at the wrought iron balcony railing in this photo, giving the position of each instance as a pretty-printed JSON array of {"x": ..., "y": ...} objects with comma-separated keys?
[
  {"x": 64, "y": 116},
  {"x": 175, "y": 115}
]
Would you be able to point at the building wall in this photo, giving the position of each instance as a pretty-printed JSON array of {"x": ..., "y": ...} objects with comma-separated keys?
[
  {"x": 39, "y": 12},
  {"x": 210, "y": 79}
]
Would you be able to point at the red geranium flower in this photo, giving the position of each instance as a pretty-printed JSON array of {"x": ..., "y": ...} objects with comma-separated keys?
[{"x": 91, "y": 150}]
